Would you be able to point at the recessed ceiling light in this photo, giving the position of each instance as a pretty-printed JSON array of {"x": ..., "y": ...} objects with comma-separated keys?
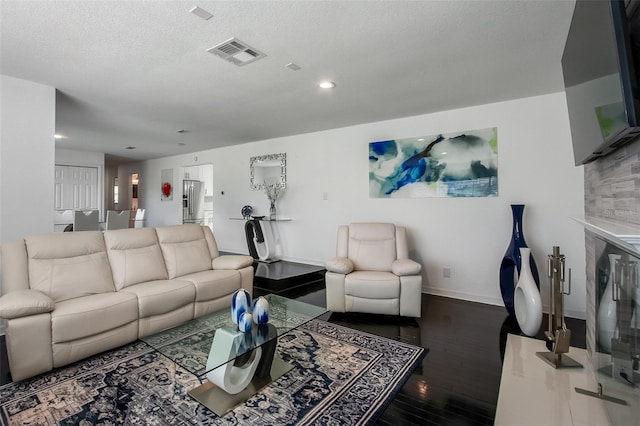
[
  {"x": 181, "y": 144},
  {"x": 198, "y": 11},
  {"x": 59, "y": 136},
  {"x": 292, "y": 66},
  {"x": 326, "y": 85},
  {"x": 421, "y": 140},
  {"x": 182, "y": 131},
  {"x": 129, "y": 147}
]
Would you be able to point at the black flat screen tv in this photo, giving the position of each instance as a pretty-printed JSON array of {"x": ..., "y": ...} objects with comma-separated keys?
[{"x": 599, "y": 66}]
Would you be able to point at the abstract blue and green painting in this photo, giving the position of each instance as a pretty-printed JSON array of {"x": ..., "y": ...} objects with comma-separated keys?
[{"x": 459, "y": 164}]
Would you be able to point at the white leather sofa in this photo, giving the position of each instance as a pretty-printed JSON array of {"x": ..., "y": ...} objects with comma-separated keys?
[
  {"x": 372, "y": 272},
  {"x": 70, "y": 295}
]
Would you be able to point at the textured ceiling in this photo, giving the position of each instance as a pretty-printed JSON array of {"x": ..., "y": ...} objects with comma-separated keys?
[{"x": 131, "y": 73}]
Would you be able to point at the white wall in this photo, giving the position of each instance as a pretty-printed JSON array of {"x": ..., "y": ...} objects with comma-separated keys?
[
  {"x": 26, "y": 158},
  {"x": 27, "y": 125},
  {"x": 468, "y": 235}
]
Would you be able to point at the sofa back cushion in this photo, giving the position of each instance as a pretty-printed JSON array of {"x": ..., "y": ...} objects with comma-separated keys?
[
  {"x": 134, "y": 256},
  {"x": 66, "y": 265},
  {"x": 184, "y": 248},
  {"x": 372, "y": 246}
]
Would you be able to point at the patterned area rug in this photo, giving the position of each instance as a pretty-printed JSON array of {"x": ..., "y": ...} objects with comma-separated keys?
[{"x": 340, "y": 376}]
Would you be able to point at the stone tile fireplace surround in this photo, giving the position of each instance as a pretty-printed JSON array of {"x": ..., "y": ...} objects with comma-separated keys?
[
  {"x": 612, "y": 213},
  {"x": 612, "y": 194}
]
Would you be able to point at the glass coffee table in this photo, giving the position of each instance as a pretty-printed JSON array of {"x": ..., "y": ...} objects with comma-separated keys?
[{"x": 232, "y": 365}]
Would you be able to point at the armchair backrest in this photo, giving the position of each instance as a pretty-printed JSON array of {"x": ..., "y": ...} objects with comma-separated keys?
[{"x": 372, "y": 246}]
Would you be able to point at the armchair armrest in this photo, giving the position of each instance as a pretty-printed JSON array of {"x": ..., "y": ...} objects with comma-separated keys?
[
  {"x": 23, "y": 303},
  {"x": 404, "y": 267},
  {"x": 231, "y": 261},
  {"x": 340, "y": 265}
]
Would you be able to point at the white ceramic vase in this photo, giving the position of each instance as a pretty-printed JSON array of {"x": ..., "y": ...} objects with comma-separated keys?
[
  {"x": 240, "y": 303},
  {"x": 606, "y": 321},
  {"x": 526, "y": 301},
  {"x": 245, "y": 322},
  {"x": 260, "y": 310}
]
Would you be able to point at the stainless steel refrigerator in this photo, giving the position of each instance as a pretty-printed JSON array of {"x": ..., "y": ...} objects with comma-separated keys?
[{"x": 192, "y": 201}]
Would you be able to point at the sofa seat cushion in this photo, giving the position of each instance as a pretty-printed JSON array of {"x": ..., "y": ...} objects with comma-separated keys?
[
  {"x": 66, "y": 265},
  {"x": 135, "y": 256},
  {"x": 162, "y": 296},
  {"x": 86, "y": 316},
  {"x": 214, "y": 284},
  {"x": 372, "y": 285}
]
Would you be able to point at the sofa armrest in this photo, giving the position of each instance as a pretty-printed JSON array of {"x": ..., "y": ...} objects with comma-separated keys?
[
  {"x": 404, "y": 267},
  {"x": 340, "y": 265},
  {"x": 231, "y": 261},
  {"x": 23, "y": 303}
]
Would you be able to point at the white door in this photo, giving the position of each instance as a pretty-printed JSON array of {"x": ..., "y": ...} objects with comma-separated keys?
[{"x": 76, "y": 188}]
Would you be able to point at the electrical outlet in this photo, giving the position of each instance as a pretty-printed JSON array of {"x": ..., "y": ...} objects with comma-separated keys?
[{"x": 446, "y": 272}]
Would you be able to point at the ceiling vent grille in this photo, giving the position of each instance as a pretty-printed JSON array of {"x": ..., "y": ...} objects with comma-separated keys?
[{"x": 237, "y": 52}]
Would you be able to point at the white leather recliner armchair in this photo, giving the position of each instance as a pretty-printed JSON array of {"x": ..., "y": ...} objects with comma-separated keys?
[{"x": 372, "y": 272}]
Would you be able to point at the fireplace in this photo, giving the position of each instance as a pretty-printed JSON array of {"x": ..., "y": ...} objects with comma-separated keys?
[{"x": 613, "y": 321}]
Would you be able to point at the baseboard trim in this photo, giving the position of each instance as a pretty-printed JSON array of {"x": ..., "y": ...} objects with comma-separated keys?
[
  {"x": 463, "y": 296},
  {"x": 491, "y": 301}
]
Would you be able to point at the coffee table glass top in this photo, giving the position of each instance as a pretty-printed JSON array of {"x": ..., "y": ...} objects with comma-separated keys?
[{"x": 190, "y": 343}]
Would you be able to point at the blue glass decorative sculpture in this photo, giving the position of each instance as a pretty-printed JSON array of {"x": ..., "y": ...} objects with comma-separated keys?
[
  {"x": 512, "y": 260},
  {"x": 261, "y": 310},
  {"x": 245, "y": 322},
  {"x": 240, "y": 303}
]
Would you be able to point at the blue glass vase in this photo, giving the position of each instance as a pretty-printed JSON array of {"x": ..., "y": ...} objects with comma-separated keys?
[
  {"x": 245, "y": 322},
  {"x": 512, "y": 260},
  {"x": 240, "y": 303},
  {"x": 260, "y": 310}
]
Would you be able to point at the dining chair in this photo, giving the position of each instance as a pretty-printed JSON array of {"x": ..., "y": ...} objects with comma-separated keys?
[
  {"x": 86, "y": 220},
  {"x": 117, "y": 219},
  {"x": 62, "y": 219},
  {"x": 139, "y": 220}
]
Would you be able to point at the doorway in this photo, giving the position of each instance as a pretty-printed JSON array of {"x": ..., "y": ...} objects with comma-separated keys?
[{"x": 134, "y": 191}]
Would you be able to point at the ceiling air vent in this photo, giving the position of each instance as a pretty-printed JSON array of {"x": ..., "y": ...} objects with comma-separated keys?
[{"x": 237, "y": 52}]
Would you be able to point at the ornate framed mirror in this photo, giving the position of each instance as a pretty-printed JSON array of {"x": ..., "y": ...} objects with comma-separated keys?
[{"x": 269, "y": 169}]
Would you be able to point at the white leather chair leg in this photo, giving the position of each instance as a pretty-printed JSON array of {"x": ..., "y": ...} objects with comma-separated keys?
[
  {"x": 410, "y": 295},
  {"x": 335, "y": 292}
]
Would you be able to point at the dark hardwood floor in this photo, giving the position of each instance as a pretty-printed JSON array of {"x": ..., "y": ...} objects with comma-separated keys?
[{"x": 458, "y": 380}]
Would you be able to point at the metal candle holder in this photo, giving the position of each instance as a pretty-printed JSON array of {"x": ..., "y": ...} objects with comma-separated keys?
[{"x": 558, "y": 335}]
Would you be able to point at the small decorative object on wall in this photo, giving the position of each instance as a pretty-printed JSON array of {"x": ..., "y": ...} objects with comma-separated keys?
[
  {"x": 512, "y": 260},
  {"x": 166, "y": 189},
  {"x": 272, "y": 191},
  {"x": 527, "y": 302},
  {"x": 460, "y": 164}
]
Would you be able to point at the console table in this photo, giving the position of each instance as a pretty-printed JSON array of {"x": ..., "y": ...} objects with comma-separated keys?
[{"x": 263, "y": 240}]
